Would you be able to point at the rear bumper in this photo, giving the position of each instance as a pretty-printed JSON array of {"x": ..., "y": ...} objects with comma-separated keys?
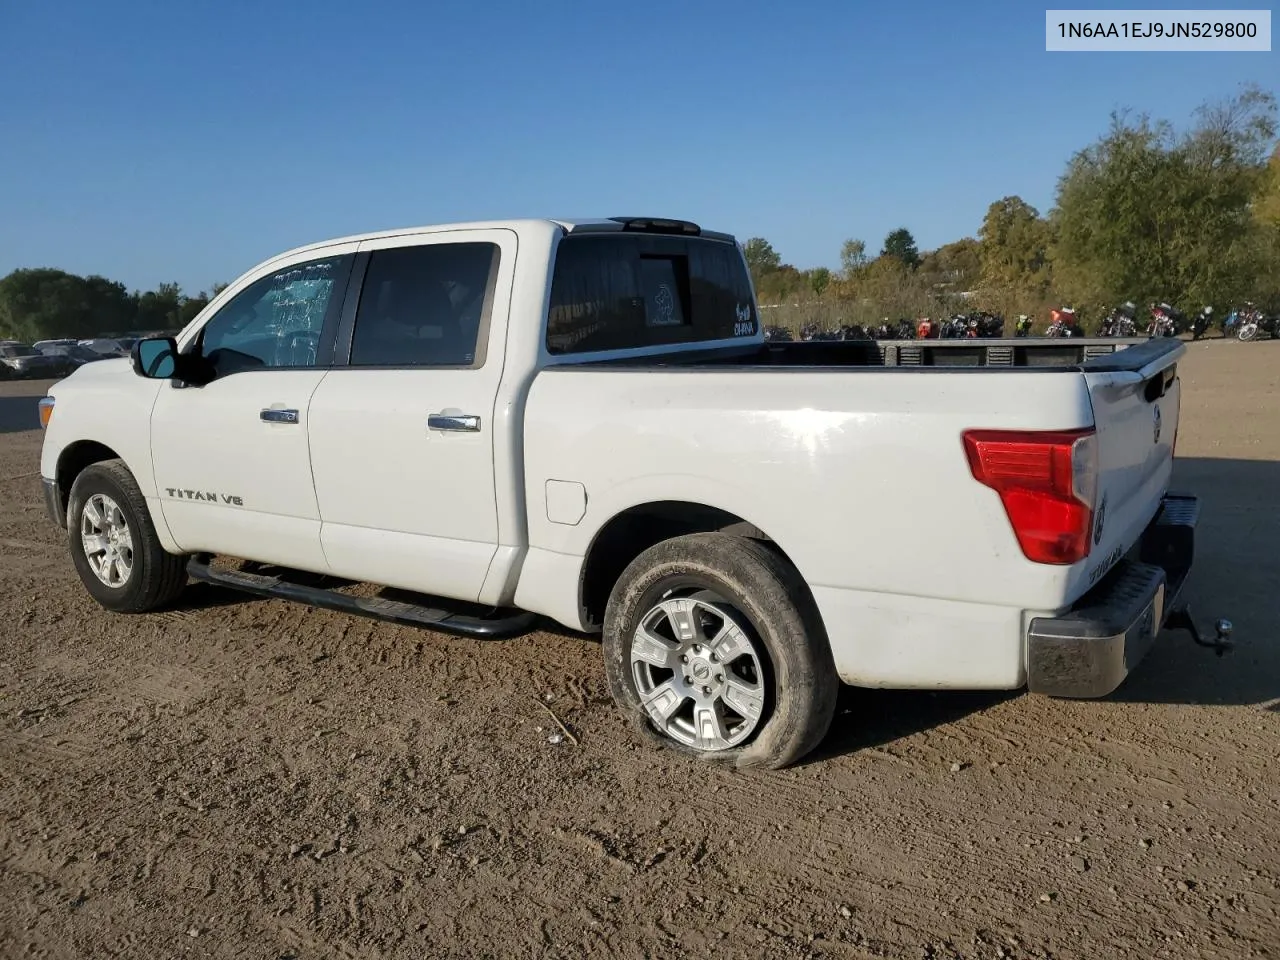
[{"x": 1089, "y": 650}]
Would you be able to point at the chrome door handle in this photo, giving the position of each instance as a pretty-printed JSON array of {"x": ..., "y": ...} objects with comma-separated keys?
[
  {"x": 454, "y": 421},
  {"x": 274, "y": 415}
]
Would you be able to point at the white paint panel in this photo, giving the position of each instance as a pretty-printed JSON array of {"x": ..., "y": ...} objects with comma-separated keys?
[
  {"x": 212, "y": 439},
  {"x": 434, "y": 565},
  {"x": 896, "y": 641},
  {"x": 859, "y": 475}
]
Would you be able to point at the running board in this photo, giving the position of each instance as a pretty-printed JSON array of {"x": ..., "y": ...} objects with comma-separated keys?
[{"x": 492, "y": 627}]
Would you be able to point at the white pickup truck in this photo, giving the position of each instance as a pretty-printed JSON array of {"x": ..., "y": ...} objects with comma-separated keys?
[{"x": 582, "y": 420}]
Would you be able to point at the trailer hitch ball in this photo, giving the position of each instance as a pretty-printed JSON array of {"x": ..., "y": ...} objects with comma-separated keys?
[{"x": 1182, "y": 619}]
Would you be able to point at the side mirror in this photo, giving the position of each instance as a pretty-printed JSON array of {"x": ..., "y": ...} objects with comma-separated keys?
[{"x": 155, "y": 358}]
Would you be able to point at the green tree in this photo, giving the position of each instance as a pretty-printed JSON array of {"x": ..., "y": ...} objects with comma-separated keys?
[
  {"x": 901, "y": 245},
  {"x": 1267, "y": 231},
  {"x": 853, "y": 255},
  {"x": 159, "y": 309},
  {"x": 1014, "y": 256},
  {"x": 42, "y": 302},
  {"x": 955, "y": 266},
  {"x": 110, "y": 306},
  {"x": 1268, "y": 206},
  {"x": 191, "y": 307},
  {"x": 819, "y": 279},
  {"x": 783, "y": 284},
  {"x": 45, "y": 303},
  {"x": 761, "y": 257},
  {"x": 1145, "y": 214}
]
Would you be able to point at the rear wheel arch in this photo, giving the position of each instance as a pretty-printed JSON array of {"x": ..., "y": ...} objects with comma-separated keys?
[{"x": 630, "y": 532}]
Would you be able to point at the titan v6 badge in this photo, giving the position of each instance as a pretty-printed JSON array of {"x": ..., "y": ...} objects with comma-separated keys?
[{"x": 205, "y": 495}]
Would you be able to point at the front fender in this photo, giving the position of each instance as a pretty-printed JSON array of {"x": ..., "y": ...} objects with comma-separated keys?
[{"x": 107, "y": 407}]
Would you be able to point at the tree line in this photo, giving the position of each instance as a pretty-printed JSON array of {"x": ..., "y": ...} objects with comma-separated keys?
[
  {"x": 1144, "y": 213},
  {"x": 43, "y": 303}
]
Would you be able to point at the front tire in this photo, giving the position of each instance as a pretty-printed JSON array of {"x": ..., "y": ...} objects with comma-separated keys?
[
  {"x": 114, "y": 545},
  {"x": 714, "y": 647}
]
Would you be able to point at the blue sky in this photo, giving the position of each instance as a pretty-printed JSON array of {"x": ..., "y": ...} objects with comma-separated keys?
[{"x": 186, "y": 141}]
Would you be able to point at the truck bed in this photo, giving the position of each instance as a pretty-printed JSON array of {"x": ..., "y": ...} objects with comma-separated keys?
[
  {"x": 1081, "y": 353},
  {"x": 861, "y": 481}
]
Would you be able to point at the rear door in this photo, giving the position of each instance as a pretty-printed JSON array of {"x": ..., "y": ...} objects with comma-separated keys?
[
  {"x": 402, "y": 433},
  {"x": 1135, "y": 414}
]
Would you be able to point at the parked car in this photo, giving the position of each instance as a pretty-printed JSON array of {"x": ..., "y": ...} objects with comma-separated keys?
[
  {"x": 28, "y": 363},
  {"x": 582, "y": 420},
  {"x": 105, "y": 345},
  {"x": 72, "y": 352}
]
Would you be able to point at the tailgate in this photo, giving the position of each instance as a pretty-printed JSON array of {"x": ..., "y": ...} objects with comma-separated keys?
[{"x": 1135, "y": 395}]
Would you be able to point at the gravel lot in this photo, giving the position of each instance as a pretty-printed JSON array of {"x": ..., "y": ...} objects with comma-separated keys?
[{"x": 243, "y": 778}]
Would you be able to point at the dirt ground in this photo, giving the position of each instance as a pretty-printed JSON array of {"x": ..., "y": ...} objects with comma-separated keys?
[{"x": 242, "y": 778}]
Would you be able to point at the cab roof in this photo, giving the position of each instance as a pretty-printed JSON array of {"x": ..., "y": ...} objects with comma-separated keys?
[{"x": 651, "y": 225}]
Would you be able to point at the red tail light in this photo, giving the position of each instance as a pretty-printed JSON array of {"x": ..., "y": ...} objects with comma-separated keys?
[{"x": 1047, "y": 481}]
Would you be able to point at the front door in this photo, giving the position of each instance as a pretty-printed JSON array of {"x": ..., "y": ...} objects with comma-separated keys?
[
  {"x": 402, "y": 439},
  {"x": 230, "y": 457}
]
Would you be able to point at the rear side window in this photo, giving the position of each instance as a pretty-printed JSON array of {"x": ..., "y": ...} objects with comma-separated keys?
[
  {"x": 425, "y": 306},
  {"x": 617, "y": 292}
]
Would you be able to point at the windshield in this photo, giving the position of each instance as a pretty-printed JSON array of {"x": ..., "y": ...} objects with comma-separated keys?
[{"x": 10, "y": 351}]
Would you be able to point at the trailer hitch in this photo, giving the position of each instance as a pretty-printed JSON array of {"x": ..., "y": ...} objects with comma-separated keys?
[{"x": 1181, "y": 619}]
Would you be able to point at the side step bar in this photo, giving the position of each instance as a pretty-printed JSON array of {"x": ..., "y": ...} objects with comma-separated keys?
[{"x": 492, "y": 627}]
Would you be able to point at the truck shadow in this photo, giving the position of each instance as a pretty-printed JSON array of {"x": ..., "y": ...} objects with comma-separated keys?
[
  {"x": 1235, "y": 576},
  {"x": 18, "y": 414},
  {"x": 208, "y": 596},
  {"x": 872, "y": 718}
]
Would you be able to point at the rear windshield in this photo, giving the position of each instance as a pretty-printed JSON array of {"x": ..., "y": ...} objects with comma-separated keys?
[{"x": 616, "y": 292}]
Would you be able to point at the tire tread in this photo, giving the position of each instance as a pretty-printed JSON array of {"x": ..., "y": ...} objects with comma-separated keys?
[
  {"x": 780, "y": 602},
  {"x": 161, "y": 576}
]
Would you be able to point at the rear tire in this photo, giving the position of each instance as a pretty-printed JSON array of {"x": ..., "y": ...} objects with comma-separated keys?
[
  {"x": 714, "y": 647},
  {"x": 114, "y": 545}
]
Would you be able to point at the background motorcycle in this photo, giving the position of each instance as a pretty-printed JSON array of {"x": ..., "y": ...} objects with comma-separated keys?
[
  {"x": 1200, "y": 325},
  {"x": 1253, "y": 323},
  {"x": 1120, "y": 322},
  {"x": 1166, "y": 321},
  {"x": 1064, "y": 324},
  {"x": 1248, "y": 321}
]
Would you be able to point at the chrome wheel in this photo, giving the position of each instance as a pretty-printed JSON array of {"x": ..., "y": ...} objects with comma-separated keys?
[
  {"x": 698, "y": 671},
  {"x": 107, "y": 540}
]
